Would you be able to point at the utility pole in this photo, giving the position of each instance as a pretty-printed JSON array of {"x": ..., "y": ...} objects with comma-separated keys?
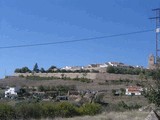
[{"x": 157, "y": 18}]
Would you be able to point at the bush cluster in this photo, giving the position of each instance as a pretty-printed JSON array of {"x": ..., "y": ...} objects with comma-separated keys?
[
  {"x": 130, "y": 70},
  {"x": 64, "y": 88},
  {"x": 124, "y": 70},
  {"x": 46, "y": 110},
  {"x": 33, "y": 77}
]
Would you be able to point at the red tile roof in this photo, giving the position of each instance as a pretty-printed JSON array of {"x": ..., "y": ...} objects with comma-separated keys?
[{"x": 134, "y": 89}]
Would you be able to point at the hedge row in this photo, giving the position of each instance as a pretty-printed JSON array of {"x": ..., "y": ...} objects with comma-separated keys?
[{"x": 46, "y": 110}]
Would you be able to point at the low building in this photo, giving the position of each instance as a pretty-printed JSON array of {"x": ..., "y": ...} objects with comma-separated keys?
[
  {"x": 12, "y": 91},
  {"x": 66, "y": 68},
  {"x": 116, "y": 64},
  {"x": 93, "y": 65},
  {"x": 103, "y": 65},
  {"x": 134, "y": 90},
  {"x": 72, "y": 68}
]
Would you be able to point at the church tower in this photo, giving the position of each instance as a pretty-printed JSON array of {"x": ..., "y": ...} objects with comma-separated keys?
[{"x": 151, "y": 62}]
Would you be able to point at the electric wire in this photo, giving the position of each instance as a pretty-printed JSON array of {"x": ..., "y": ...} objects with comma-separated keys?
[{"x": 75, "y": 40}]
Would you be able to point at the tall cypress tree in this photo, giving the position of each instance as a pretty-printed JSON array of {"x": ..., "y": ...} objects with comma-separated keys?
[{"x": 35, "y": 68}]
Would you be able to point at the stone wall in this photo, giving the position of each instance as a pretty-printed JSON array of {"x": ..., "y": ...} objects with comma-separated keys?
[{"x": 93, "y": 76}]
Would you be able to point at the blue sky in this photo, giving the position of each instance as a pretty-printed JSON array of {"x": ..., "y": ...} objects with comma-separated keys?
[{"x": 41, "y": 21}]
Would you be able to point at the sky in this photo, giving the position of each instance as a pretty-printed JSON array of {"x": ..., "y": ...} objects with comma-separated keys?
[{"x": 43, "y": 21}]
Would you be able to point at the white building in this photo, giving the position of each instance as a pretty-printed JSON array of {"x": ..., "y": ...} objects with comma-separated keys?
[
  {"x": 103, "y": 65},
  {"x": 134, "y": 90},
  {"x": 11, "y": 91},
  {"x": 72, "y": 68},
  {"x": 67, "y": 68},
  {"x": 115, "y": 64}
]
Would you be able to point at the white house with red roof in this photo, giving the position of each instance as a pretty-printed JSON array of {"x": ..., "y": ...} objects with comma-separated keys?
[{"x": 134, "y": 90}]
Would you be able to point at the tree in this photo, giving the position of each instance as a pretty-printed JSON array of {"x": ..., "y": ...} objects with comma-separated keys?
[
  {"x": 41, "y": 88},
  {"x": 42, "y": 70},
  {"x": 153, "y": 91},
  {"x": 23, "y": 92},
  {"x": 17, "y": 70},
  {"x": 25, "y": 70},
  {"x": 22, "y": 70},
  {"x": 113, "y": 92},
  {"x": 141, "y": 76},
  {"x": 51, "y": 69},
  {"x": 35, "y": 68},
  {"x": 122, "y": 91},
  {"x": 90, "y": 109},
  {"x": 110, "y": 69}
]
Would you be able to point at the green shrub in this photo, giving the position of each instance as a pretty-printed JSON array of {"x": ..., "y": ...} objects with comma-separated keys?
[
  {"x": 66, "y": 109},
  {"x": 86, "y": 80},
  {"x": 7, "y": 112},
  {"x": 29, "y": 110},
  {"x": 89, "y": 109},
  {"x": 42, "y": 110},
  {"x": 49, "y": 110}
]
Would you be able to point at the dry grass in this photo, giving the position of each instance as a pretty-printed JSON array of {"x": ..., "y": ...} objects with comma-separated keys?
[
  {"x": 18, "y": 81},
  {"x": 130, "y": 115}
]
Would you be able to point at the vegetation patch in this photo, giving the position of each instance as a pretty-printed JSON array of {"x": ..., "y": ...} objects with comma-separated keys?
[
  {"x": 46, "y": 110},
  {"x": 41, "y": 78},
  {"x": 63, "y": 77},
  {"x": 130, "y": 70}
]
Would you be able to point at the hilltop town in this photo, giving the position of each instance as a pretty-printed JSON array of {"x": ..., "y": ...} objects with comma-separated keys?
[
  {"x": 89, "y": 68},
  {"x": 113, "y": 84}
]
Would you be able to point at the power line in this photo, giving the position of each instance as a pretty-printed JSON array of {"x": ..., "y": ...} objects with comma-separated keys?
[
  {"x": 75, "y": 40},
  {"x": 157, "y": 19}
]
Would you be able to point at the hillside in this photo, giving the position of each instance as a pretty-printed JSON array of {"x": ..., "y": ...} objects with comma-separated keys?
[
  {"x": 105, "y": 83},
  {"x": 98, "y": 80}
]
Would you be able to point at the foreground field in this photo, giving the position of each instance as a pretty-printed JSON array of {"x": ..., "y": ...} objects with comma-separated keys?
[
  {"x": 105, "y": 95},
  {"x": 131, "y": 115}
]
